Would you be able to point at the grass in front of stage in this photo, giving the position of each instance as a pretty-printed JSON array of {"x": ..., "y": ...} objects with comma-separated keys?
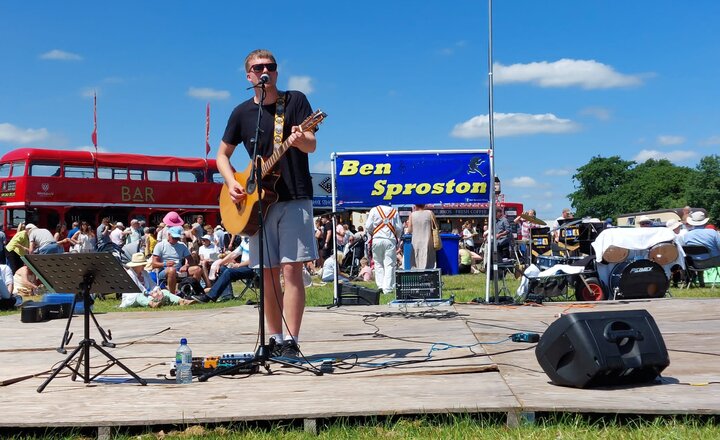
[
  {"x": 465, "y": 288},
  {"x": 453, "y": 426}
]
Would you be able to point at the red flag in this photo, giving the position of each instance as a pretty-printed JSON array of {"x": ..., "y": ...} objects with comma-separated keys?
[
  {"x": 207, "y": 130},
  {"x": 94, "y": 133}
]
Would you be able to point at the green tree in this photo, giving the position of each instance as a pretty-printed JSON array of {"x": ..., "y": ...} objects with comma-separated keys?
[
  {"x": 597, "y": 184},
  {"x": 654, "y": 184},
  {"x": 703, "y": 189}
]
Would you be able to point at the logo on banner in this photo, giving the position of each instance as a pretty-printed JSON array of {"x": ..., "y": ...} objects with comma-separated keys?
[
  {"x": 474, "y": 166},
  {"x": 45, "y": 187}
]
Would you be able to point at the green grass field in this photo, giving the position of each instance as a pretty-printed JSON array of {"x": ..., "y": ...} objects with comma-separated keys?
[{"x": 465, "y": 288}]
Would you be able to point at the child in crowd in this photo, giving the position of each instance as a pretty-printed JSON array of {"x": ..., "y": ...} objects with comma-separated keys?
[{"x": 366, "y": 272}]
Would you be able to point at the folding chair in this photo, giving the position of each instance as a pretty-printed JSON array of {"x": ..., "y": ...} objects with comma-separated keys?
[
  {"x": 251, "y": 283},
  {"x": 698, "y": 260}
]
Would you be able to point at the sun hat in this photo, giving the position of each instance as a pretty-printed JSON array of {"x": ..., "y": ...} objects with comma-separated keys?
[
  {"x": 176, "y": 231},
  {"x": 172, "y": 218},
  {"x": 673, "y": 224},
  {"x": 206, "y": 237},
  {"x": 138, "y": 259},
  {"x": 697, "y": 218},
  {"x": 30, "y": 226}
]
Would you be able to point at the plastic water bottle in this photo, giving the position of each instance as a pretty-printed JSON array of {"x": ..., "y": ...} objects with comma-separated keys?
[{"x": 183, "y": 363}]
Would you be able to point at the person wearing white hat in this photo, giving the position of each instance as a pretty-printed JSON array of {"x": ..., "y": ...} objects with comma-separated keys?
[
  {"x": 701, "y": 236},
  {"x": 150, "y": 295},
  {"x": 208, "y": 253}
]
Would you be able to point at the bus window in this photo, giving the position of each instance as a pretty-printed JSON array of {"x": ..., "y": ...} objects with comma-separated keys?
[
  {"x": 136, "y": 174},
  {"x": 5, "y": 170},
  {"x": 17, "y": 216},
  {"x": 18, "y": 168},
  {"x": 45, "y": 169},
  {"x": 113, "y": 173},
  {"x": 190, "y": 176},
  {"x": 161, "y": 175},
  {"x": 79, "y": 171}
]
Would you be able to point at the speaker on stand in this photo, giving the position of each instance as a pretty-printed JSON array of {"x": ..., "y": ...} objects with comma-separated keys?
[{"x": 609, "y": 348}]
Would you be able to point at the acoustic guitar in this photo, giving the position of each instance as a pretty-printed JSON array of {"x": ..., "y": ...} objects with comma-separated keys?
[{"x": 241, "y": 217}]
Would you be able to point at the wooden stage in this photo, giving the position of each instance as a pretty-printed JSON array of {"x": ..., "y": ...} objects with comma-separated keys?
[{"x": 504, "y": 378}]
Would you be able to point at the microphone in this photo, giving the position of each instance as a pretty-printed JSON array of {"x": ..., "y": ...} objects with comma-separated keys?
[{"x": 264, "y": 78}]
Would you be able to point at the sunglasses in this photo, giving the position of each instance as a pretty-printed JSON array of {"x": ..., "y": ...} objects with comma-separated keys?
[{"x": 271, "y": 67}]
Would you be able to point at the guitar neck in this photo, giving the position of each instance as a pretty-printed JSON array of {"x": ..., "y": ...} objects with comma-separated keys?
[{"x": 270, "y": 162}]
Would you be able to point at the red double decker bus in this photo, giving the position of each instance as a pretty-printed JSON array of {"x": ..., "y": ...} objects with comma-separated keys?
[{"x": 47, "y": 187}]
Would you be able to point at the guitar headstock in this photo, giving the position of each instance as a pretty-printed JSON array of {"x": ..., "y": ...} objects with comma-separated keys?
[{"x": 313, "y": 120}]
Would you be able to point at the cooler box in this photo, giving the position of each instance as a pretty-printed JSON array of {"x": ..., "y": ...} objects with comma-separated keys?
[
  {"x": 64, "y": 298},
  {"x": 447, "y": 257}
]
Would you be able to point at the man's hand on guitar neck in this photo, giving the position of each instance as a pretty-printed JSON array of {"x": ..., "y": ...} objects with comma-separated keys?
[{"x": 302, "y": 140}]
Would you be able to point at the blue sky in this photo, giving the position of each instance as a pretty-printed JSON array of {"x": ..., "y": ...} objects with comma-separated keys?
[{"x": 573, "y": 79}]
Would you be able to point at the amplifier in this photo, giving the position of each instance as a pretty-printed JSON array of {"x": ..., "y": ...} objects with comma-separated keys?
[{"x": 418, "y": 284}]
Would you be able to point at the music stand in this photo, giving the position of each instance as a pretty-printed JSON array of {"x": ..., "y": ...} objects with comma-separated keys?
[{"x": 100, "y": 272}]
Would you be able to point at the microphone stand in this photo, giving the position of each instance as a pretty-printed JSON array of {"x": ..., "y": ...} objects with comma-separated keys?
[{"x": 263, "y": 353}]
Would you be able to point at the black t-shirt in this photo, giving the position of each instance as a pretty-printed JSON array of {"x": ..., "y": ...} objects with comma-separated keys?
[{"x": 295, "y": 181}]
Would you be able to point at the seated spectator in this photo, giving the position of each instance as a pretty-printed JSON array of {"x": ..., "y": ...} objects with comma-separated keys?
[
  {"x": 366, "y": 273},
  {"x": 7, "y": 299},
  {"x": 25, "y": 283},
  {"x": 700, "y": 235},
  {"x": 208, "y": 253},
  {"x": 328, "y": 270},
  {"x": 173, "y": 259},
  {"x": 233, "y": 267},
  {"x": 150, "y": 295},
  {"x": 468, "y": 261}
]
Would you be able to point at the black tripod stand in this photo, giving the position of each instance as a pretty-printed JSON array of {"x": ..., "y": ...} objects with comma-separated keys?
[
  {"x": 100, "y": 272},
  {"x": 263, "y": 355}
]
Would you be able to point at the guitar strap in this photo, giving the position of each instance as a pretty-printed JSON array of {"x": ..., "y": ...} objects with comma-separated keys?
[{"x": 279, "y": 121}]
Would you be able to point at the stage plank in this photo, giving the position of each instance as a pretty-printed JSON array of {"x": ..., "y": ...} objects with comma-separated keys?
[{"x": 452, "y": 382}]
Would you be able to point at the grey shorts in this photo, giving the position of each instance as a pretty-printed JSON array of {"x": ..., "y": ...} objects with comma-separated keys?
[{"x": 289, "y": 235}]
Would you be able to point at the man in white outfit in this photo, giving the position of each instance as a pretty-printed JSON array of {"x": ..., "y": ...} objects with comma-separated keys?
[{"x": 384, "y": 226}]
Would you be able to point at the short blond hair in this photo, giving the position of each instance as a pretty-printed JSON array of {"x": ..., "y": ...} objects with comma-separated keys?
[{"x": 258, "y": 53}]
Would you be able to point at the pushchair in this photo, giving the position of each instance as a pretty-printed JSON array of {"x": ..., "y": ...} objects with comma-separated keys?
[{"x": 351, "y": 261}]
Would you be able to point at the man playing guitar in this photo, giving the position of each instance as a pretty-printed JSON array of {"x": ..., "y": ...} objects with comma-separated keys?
[{"x": 288, "y": 225}]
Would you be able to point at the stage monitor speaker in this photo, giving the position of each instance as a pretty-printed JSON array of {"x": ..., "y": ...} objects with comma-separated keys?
[{"x": 595, "y": 349}]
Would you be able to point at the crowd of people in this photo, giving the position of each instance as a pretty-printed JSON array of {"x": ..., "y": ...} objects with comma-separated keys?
[{"x": 194, "y": 260}]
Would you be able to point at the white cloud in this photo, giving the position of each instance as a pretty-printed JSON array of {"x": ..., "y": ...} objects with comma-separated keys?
[
  {"x": 60, "y": 55},
  {"x": 672, "y": 156},
  {"x": 599, "y": 113},
  {"x": 15, "y": 135},
  {"x": 670, "y": 140},
  {"x": 523, "y": 182},
  {"x": 588, "y": 74},
  {"x": 301, "y": 83},
  {"x": 207, "y": 93},
  {"x": 711, "y": 141},
  {"x": 556, "y": 172},
  {"x": 514, "y": 124}
]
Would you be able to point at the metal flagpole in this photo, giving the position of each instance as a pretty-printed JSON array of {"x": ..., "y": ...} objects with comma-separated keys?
[{"x": 491, "y": 260}]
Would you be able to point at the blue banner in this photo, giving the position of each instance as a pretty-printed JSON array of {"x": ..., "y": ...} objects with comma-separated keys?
[{"x": 364, "y": 180}]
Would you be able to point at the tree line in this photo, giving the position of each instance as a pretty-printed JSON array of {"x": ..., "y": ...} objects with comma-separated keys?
[{"x": 609, "y": 186}]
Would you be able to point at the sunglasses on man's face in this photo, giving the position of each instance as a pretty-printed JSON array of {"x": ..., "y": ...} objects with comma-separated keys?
[{"x": 271, "y": 67}]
